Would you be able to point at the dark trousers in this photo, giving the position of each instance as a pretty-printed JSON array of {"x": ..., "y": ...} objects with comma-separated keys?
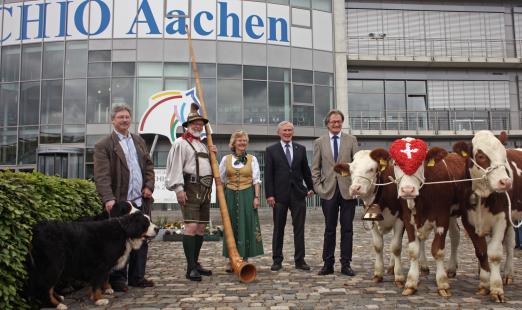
[
  {"x": 298, "y": 212},
  {"x": 136, "y": 267},
  {"x": 331, "y": 210}
]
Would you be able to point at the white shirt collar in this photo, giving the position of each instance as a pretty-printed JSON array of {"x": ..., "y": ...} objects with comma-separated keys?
[
  {"x": 122, "y": 136},
  {"x": 331, "y": 135},
  {"x": 284, "y": 143}
]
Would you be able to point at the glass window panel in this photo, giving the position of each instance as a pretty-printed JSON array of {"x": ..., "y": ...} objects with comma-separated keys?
[
  {"x": 229, "y": 71},
  {"x": 10, "y": 63},
  {"x": 75, "y": 168},
  {"x": 7, "y": 146},
  {"x": 323, "y": 78},
  {"x": 73, "y": 134},
  {"x": 323, "y": 103},
  {"x": 416, "y": 103},
  {"x": 278, "y": 1},
  {"x": 177, "y": 69},
  {"x": 53, "y": 58},
  {"x": 98, "y": 101},
  {"x": 416, "y": 87},
  {"x": 366, "y": 102},
  {"x": 206, "y": 70},
  {"x": 146, "y": 88},
  {"x": 50, "y": 134},
  {"x": 210, "y": 93},
  {"x": 150, "y": 69},
  {"x": 76, "y": 59},
  {"x": 89, "y": 155},
  {"x": 302, "y": 76},
  {"x": 395, "y": 102},
  {"x": 95, "y": 56},
  {"x": 123, "y": 68},
  {"x": 27, "y": 144},
  {"x": 92, "y": 139},
  {"x": 279, "y": 74},
  {"x": 303, "y": 115},
  {"x": 303, "y": 94},
  {"x": 99, "y": 69},
  {"x": 372, "y": 86},
  {"x": 176, "y": 84},
  {"x": 29, "y": 103},
  {"x": 51, "y": 110},
  {"x": 255, "y": 98},
  {"x": 301, "y": 3},
  {"x": 31, "y": 62},
  {"x": 122, "y": 91},
  {"x": 355, "y": 86},
  {"x": 396, "y": 87},
  {"x": 254, "y": 72},
  {"x": 230, "y": 101},
  {"x": 278, "y": 102},
  {"x": 74, "y": 95},
  {"x": 9, "y": 106},
  {"x": 323, "y": 5}
]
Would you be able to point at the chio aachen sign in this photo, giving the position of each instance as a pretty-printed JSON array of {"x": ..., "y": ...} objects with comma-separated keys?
[{"x": 228, "y": 20}]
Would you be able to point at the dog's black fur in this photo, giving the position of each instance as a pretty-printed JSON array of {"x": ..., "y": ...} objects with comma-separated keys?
[
  {"x": 120, "y": 208},
  {"x": 85, "y": 251}
]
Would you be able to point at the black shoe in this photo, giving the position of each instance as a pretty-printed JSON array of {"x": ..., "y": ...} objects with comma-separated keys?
[
  {"x": 326, "y": 270},
  {"x": 276, "y": 267},
  {"x": 119, "y": 287},
  {"x": 193, "y": 275},
  {"x": 302, "y": 265},
  {"x": 347, "y": 270},
  {"x": 202, "y": 271}
]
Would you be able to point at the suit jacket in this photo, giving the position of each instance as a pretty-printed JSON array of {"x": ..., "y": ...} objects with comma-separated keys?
[
  {"x": 281, "y": 180},
  {"x": 111, "y": 173},
  {"x": 323, "y": 175}
]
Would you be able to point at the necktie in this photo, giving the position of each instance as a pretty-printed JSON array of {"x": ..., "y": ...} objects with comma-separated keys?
[
  {"x": 335, "y": 148},
  {"x": 288, "y": 155}
]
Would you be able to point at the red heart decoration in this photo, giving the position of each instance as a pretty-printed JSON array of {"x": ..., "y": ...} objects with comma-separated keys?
[{"x": 408, "y": 153}]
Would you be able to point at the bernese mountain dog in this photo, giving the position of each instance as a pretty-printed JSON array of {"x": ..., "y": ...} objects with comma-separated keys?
[
  {"x": 86, "y": 251},
  {"x": 120, "y": 208}
]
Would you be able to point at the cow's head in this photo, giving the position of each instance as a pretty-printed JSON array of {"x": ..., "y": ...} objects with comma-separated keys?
[
  {"x": 408, "y": 156},
  {"x": 487, "y": 159},
  {"x": 364, "y": 170}
]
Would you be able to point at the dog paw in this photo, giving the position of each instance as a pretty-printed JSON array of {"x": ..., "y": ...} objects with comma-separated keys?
[
  {"x": 109, "y": 291},
  {"x": 102, "y": 302},
  {"x": 61, "y": 307}
]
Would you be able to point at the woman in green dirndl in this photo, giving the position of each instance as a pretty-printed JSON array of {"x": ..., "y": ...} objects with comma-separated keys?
[{"x": 241, "y": 175}]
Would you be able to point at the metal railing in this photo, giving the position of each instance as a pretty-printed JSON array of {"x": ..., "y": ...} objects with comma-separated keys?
[
  {"x": 455, "y": 120},
  {"x": 393, "y": 46}
]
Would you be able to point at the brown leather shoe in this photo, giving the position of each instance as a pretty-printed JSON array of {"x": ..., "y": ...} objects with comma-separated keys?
[{"x": 142, "y": 283}]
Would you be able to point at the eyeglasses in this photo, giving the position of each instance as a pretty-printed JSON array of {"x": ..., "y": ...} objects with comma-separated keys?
[{"x": 335, "y": 122}]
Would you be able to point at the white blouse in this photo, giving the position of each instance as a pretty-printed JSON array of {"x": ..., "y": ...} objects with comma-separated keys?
[{"x": 256, "y": 173}]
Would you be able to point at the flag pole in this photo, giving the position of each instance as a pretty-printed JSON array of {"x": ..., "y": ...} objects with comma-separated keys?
[{"x": 245, "y": 271}]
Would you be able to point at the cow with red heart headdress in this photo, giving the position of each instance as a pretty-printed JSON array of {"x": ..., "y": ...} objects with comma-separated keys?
[{"x": 408, "y": 155}]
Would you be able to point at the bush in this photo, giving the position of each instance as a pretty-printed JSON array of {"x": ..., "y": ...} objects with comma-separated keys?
[{"x": 25, "y": 199}]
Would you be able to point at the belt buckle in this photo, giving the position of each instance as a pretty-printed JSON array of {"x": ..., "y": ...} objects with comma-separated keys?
[{"x": 193, "y": 179}]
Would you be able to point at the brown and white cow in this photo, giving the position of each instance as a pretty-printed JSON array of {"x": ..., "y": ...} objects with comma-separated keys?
[
  {"x": 497, "y": 171},
  {"x": 367, "y": 169},
  {"x": 430, "y": 209}
]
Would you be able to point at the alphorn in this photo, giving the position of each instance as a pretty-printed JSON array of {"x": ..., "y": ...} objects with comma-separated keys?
[{"x": 245, "y": 271}]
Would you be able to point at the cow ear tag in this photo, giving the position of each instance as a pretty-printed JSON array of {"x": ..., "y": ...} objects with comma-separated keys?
[
  {"x": 383, "y": 163},
  {"x": 464, "y": 154},
  {"x": 431, "y": 163}
]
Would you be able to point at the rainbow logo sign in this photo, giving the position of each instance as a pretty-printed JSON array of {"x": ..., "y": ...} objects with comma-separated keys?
[{"x": 167, "y": 110}]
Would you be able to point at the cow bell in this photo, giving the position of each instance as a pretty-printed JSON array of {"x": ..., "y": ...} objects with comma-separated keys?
[{"x": 373, "y": 213}]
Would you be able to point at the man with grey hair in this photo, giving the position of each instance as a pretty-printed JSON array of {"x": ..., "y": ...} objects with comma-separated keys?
[
  {"x": 286, "y": 173},
  {"x": 123, "y": 171}
]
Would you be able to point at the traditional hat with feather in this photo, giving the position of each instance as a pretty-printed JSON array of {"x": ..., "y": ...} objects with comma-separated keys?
[{"x": 194, "y": 116}]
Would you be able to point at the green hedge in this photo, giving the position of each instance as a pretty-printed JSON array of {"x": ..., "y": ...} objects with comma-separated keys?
[{"x": 25, "y": 199}]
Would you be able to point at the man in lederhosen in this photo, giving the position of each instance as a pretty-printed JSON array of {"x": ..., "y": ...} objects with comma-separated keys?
[{"x": 189, "y": 174}]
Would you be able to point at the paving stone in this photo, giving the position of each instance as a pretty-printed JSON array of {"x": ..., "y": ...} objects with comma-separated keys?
[{"x": 296, "y": 289}]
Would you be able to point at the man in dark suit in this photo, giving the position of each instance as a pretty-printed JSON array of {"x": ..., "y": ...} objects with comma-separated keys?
[
  {"x": 123, "y": 171},
  {"x": 286, "y": 167},
  {"x": 335, "y": 147}
]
